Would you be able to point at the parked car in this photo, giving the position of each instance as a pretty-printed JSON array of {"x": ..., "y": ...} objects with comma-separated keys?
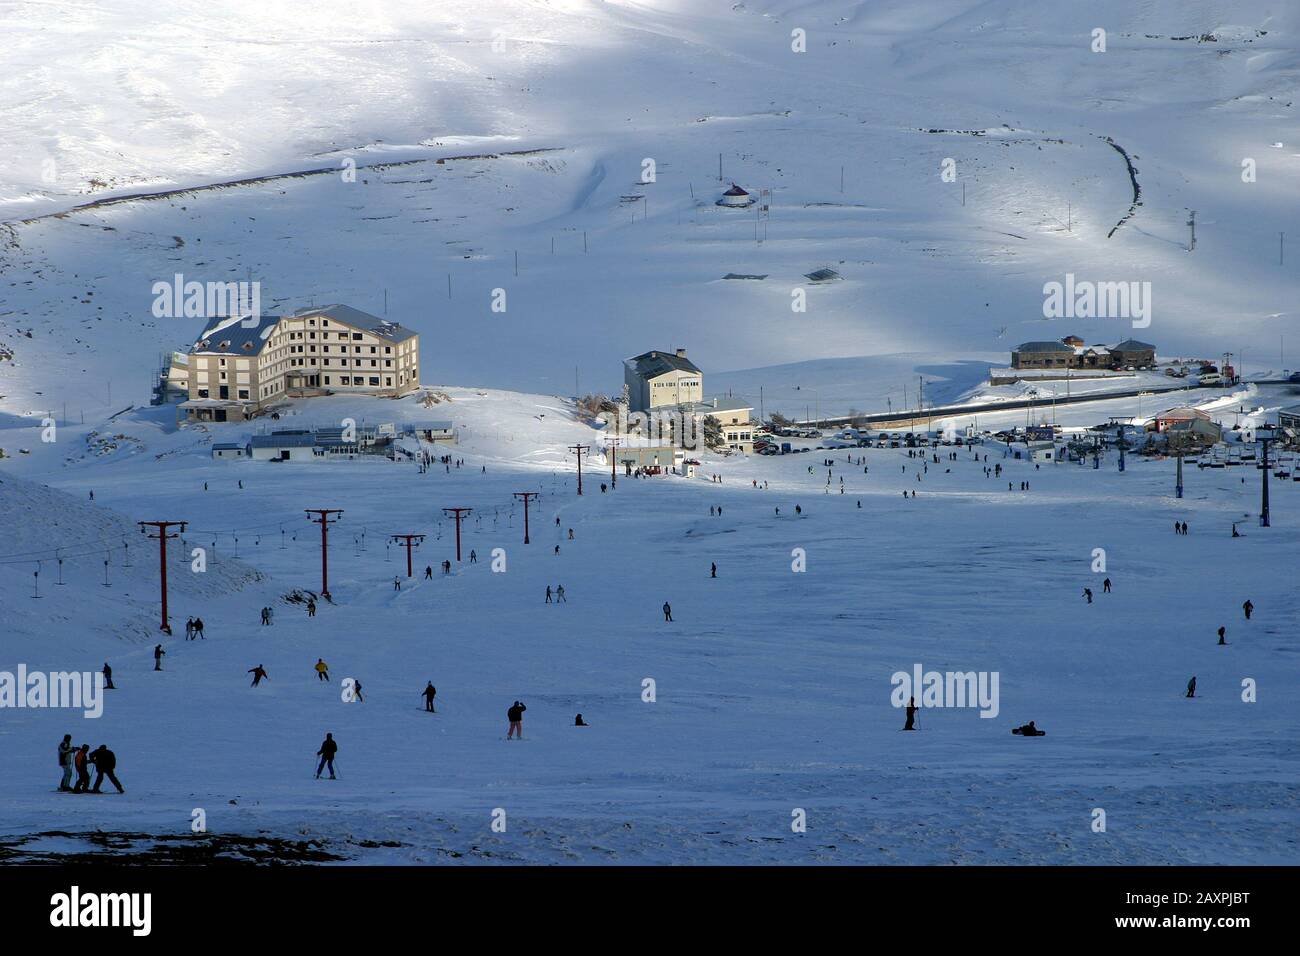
[{"x": 1294, "y": 377}]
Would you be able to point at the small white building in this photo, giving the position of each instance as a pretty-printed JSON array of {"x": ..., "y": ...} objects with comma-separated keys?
[
  {"x": 434, "y": 431},
  {"x": 229, "y": 449},
  {"x": 283, "y": 446},
  {"x": 736, "y": 198}
]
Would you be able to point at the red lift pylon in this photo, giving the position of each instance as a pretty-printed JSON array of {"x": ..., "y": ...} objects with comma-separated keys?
[
  {"x": 161, "y": 537},
  {"x": 579, "y": 450},
  {"x": 324, "y": 521},
  {"x": 407, "y": 539},
  {"x": 457, "y": 513},
  {"x": 526, "y": 495}
]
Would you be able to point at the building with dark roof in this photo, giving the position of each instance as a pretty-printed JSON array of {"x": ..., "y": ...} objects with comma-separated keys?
[
  {"x": 240, "y": 365},
  {"x": 1071, "y": 352},
  {"x": 658, "y": 379}
]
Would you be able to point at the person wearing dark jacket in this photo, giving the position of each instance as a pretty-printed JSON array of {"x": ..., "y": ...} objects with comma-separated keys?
[
  {"x": 66, "y": 752},
  {"x": 429, "y": 693},
  {"x": 258, "y": 673},
  {"x": 516, "y": 717},
  {"x": 668, "y": 611},
  {"x": 1191, "y": 687},
  {"x": 158, "y": 653},
  {"x": 1029, "y": 730},
  {"x": 579, "y": 722},
  {"x": 108, "y": 677},
  {"x": 1248, "y": 607},
  {"x": 911, "y": 714},
  {"x": 105, "y": 762},
  {"x": 328, "y": 749},
  {"x": 1222, "y": 632}
]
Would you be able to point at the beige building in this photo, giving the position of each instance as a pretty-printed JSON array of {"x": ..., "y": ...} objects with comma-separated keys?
[
  {"x": 237, "y": 369},
  {"x": 737, "y": 424},
  {"x": 658, "y": 379}
]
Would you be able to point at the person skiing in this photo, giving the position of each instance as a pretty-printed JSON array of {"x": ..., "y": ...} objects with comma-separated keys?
[
  {"x": 557, "y": 549},
  {"x": 713, "y": 569},
  {"x": 158, "y": 653},
  {"x": 579, "y": 722},
  {"x": 108, "y": 677},
  {"x": 322, "y": 670},
  {"x": 798, "y": 510},
  {"x": 548, "y": 594},
  {"x": 911, "y": 714},
  {"x": 1191, "y": 687},
  {"x": 311, "y": 607},
  {"x": 428, "y": 572},
  {"x": 258, "y": 673},
  {"x": 473, "y": 556},
  {"x": 1248, "y": 607},
  {"x": 265, "y": 618},
  {"x": 429, "y": 693},
  {"x": 356, "y": 691},
  {"x": 328, "y": 749},
  {"x": 446, "y": 566},
  {"x": 570, "y": 534},
  {"x": 559, "y": 594},
  {"x": 81, "y": 761},
  {"x": 397, "y": 583},
  {"x": 189, "y": 629},
  {"x": 66, "y": 763},
  {"x": 105, "y": 762},
  {"x": 1222, "y": 632},
  {"x": 198, "y": 628},
  {"x": 516, "y": 717},
  {"x": 668, "y": 611},
  {"x": 1087, "y": 593},
  {"x": 1105, "y": 586}
]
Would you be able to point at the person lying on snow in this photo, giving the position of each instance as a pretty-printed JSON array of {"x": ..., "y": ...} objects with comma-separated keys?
[{"x": 1029, "y": 730}]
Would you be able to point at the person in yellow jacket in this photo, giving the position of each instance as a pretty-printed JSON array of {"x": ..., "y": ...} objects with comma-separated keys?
[{"x": 322, "y": 669}]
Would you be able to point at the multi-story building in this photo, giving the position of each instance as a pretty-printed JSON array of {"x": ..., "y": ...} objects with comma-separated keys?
[
  {"x": 238, "y": 366},
  {"x": 658, "y": 379},
  {"x": 1071, "y": 352}
]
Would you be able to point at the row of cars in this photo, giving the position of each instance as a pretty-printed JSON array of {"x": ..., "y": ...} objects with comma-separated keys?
[{"x": 856, "y": 438}]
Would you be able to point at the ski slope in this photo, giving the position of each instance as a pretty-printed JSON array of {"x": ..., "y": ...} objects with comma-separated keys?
[{"x": 773, "y": 687}]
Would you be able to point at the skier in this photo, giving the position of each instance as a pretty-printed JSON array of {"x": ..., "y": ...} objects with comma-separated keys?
[
  {"x": 158, "y": 653},
  {"x": 668, "y": 611},
  {"x": 559, "y": 594},
  {"x": 1248, "y": 607},
  {"x": 473, "y": 556},
  {"x": 446, "y": 566},
  {"x": 66, "y": 752},
  {"x": 1191, "y": 687},
  {"x": 1029, "y": 730},
  {"x": 1087, "y": 593},
  {"x": 1184, "y": 527},
  {"x": 798, "y": 510},
  {"x": 429, "y": 693},
  {"x": 258, "y": 673},
  {"x": 198, "y": 628},
  {"x": 328, "y": 749},
  {"x": 311, "y": 607},
  {"x": 516, "y": 717},
  {"x": 428, "y": 572},
  {"x": 189, "y": 629},
  {"x": 81, "y": 762},
  {"x": 1105, "y": 586},
  {"x": 108, "y": 677},
  {"x": 105, "y": 762},
  {"x": 713, "y": 570},
  {"x": 570, "y": 534},
  {"x": 579, "y": 722},
  {"x": 356, "y": 691},
  {"x": 266, "y": 618},
  {"x": 557, "y": 549},
  {"x": 322, "y": 670},
  {"x": 548, "y": 594},
  {"x": 397, "y": 583},
  {"x": 1222, "y": 632},
  {"x": 911, "y": 714}
]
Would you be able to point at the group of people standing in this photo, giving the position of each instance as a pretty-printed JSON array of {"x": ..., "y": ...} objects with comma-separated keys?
[{"x": 79, "y": 760}]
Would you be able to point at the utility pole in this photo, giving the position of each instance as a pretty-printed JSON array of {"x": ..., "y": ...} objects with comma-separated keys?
[
  {"x": 579, "y": 450},
  {"x": 161, "y": 537},
  {"x": 1178, "y": 481},
  {"x": 1281, "y": 242},
  {"x": 458, "y": 513},
  {"x": 1191, "y": 224},
  {"x": 410, "y": 540},
  {"x": 527, "y": 496},
  {"x": 324, "y": 521},
  {"x": 613, "y": 454},
  {"x": 1263, "y": 506}
]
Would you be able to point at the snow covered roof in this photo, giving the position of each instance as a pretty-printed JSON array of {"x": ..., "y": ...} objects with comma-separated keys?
[
  {"x": 282, "y": 441},
  {"x": 1043, "y": 347},
  {"x": 653, "y": 364},
  {"x": 230, "y": 336},
  {"x": 735, "y": 191},
  {"x": 392, "y": 331},
  {"x": 1182, "y": 413}
]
